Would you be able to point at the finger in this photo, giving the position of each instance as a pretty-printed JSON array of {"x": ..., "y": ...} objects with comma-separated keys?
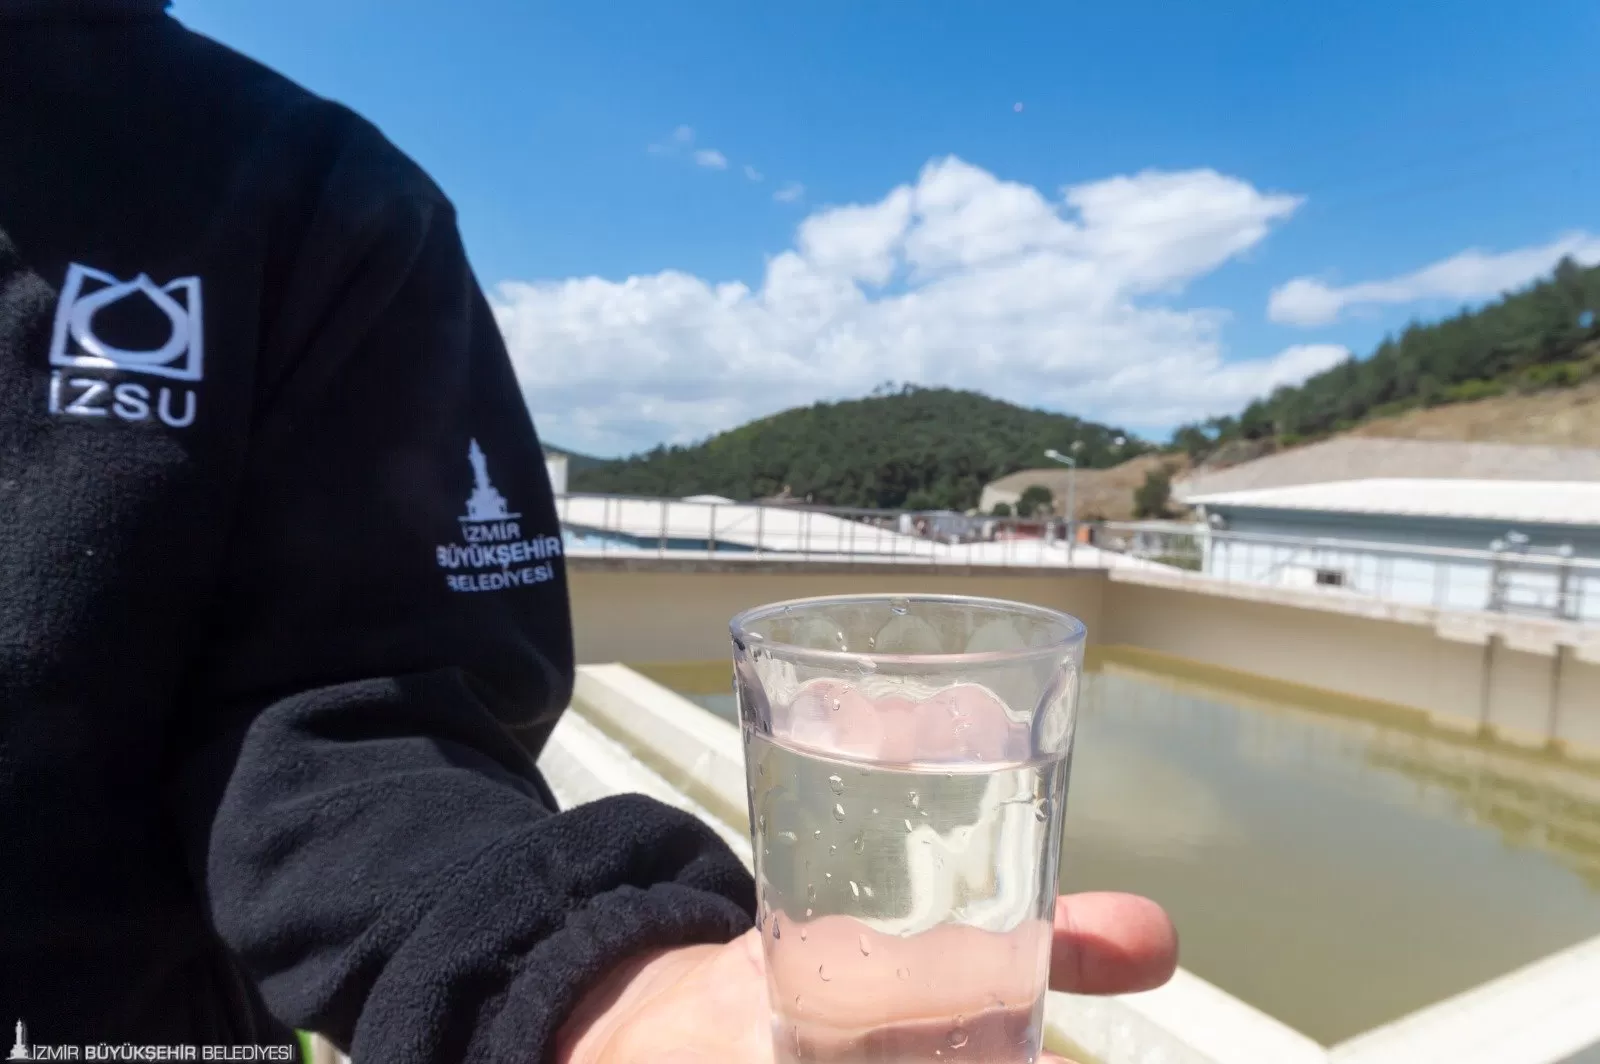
[{"x": 1111, "y": 944}]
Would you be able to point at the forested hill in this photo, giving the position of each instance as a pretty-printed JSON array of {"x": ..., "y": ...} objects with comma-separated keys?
[
  {"x": 921, "y": 448},
  {"x": 1544, "y": 336}
]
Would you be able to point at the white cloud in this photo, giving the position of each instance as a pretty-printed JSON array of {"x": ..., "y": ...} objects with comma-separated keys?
[
  {"x": 1470, "y": 275},
  {"x": 680, "y": 139},
  {"x": 751, "y": 172},
  {"x": 958, "y": 279},
  {"x": 791, "y": 192}
]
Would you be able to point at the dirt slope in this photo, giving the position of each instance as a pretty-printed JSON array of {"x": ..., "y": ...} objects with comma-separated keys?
[{"x": 1566, "y": 418}]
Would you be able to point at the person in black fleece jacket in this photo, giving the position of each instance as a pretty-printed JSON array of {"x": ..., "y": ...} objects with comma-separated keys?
[
  {"x": 283, "y": 614},
  {"x": 283, "y": 619}
]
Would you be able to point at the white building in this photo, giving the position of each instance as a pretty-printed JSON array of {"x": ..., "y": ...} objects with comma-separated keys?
[
  {"x": 1530, "y": 546},
  {"x": 555, "y": 466},
  {"x": 1459, "y": 525}
]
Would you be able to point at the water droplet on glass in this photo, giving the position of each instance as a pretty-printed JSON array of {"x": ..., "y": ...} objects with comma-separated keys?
[
  {"x": 899, "y": 606},
  {"x": 811, "y": 892},
  {"x": 867, "y": 891},
  {"x": 908, "y": 825},
  {"x": 822, "y": 973},
  {"x": 836, "y": 705},
  {"x": 776, "y": 931},
  {"x": 855, "y": 889},
  {"x": 872, "y": 641},
  {"x": 761, "y": 822},
  {"x": 859, "y": 844},
  {"x": 797, "y": 1006},
  {"x": 789, "y": 837},
  {"x": 803, "y": 932},
  {"x": 836, "y": 784},
  {"x": 914, "y": 798},
  {"x": 1041, "y": 812},
  {"x": 827, "y": 875},
  {"x": 958, "y": 1038},
  {"x": 833, "y": 849},
  {"x": 866, "y": 949},
  {"x": 808, "y": 913},
  {"x": 838, "y": 811},
  {"x": 874, "y": 810},
  {"x": 903, "y": 973},
  {"x": 817, "y": 834}
]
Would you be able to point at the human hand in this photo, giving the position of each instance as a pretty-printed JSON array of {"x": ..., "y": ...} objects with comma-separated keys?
[{"x": 708, "y": 1004}]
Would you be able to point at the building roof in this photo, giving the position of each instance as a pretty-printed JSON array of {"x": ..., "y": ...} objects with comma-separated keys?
[
  {"x": 1546, "y": 502},
  {"x": 1359, "y": 458}
]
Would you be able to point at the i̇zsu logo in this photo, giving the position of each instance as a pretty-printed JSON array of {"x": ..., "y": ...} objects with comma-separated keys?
[{"x": 88, "y": 356}]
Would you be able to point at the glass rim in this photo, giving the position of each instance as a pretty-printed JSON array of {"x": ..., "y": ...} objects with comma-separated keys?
[{"x": 1075, "y": 631}]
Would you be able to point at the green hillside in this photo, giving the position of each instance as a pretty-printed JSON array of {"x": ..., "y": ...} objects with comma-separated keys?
[
  {"x": 1544, "y": 336},
  {"x": 922, "y": 448}
]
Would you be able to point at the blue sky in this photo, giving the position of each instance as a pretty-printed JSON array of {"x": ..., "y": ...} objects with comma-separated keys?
[{"x": 1220, "y": 151}]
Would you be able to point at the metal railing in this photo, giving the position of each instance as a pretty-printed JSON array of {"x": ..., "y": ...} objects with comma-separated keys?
[
  {"x": 631, "y": 526},
  {"x": 1551, "y": 583},
  {"x": 1513, "y": 580}
]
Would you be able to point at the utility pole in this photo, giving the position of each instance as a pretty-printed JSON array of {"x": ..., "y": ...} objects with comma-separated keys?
[{"x": 1072, "y": 493}]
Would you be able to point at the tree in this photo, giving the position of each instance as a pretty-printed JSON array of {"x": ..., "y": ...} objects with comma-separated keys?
[
  {"x": 1193, "y": 441},
  {"x": 1001, "y": 509},
  {"x": 940, "y": 445},
  {"x": 1152, "y": 499},
  {"x": 1036, "y": 501}
]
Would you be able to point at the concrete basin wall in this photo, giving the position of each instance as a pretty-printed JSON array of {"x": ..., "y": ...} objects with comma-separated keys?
[{"x": 1530, "y": 682}]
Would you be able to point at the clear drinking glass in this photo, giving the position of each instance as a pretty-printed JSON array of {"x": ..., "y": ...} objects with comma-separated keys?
[{"x": 907, "y": 759}]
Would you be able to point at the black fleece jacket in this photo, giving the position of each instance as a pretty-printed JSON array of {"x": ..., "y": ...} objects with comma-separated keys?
[{"x": 283, "y": 616}]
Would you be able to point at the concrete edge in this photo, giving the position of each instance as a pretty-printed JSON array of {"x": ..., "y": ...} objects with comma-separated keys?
[
  {"x": 1539, "y": 1014},
  {"x": 1527, "y": 634},
  {"x": 693, "y": 750},
  {"x": 1188, "y": 1021},
  {"x": 583, "y": 764}
]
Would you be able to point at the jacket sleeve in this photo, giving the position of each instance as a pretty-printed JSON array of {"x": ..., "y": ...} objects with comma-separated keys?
[{"x": 391, "y": 649}]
